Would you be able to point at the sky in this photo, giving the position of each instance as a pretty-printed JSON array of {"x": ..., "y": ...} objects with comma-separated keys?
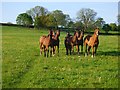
[{"x": 106, "y": 10}]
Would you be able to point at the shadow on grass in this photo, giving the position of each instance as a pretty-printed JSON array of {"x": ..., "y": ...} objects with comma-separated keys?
[{"x": 109, "y": 53}]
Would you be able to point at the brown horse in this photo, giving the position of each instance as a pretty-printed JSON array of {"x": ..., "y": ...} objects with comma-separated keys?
[
  {"x": 71, "y": 41},
  {"x": 91, "y": 42},
  {"x": 68, "y": 43},
  {"x": 80, "y": 35},
  {"x": 74, "y": 41},
  {"x": 55, "y": 41},
  {"x": 45, "y": 43}
]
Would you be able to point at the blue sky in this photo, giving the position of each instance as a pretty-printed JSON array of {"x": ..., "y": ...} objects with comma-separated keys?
[{"x": 106, "y": 10}]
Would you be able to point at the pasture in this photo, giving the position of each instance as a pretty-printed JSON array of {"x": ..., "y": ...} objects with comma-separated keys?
[{"x": 23, "y": 67}]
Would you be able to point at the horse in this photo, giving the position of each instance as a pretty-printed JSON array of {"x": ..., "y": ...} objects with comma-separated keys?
[
  {"x": 55, "y": 41},
  {"x": 80, "y": 35},
  {"x": 91, "y": 42},
  {"x": 68, "y": 43},
  {"x": 74, "y": 41},
  {"x": 45, "y": 43},
  {"x": 41, "y": 40},
  {"x": 71, "y": 41}
]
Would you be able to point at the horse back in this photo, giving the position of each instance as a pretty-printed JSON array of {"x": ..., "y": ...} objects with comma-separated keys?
[{"x": 87, "y": 37}]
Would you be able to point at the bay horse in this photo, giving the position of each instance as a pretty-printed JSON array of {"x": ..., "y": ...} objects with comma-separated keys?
[
  {"x": 46, "y": 42},
  {"x": 71, "y": 41},
  {"x": 55, "y": 41},
  {"x": 74, "y": 41},
  {"x": 91, "y": 42},
  {"x": 80, "y": 35},
  {"x": 68, "y": 43}
]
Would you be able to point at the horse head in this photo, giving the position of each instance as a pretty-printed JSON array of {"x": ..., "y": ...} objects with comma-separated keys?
[
  {"x": 58, "y": 33},
  {"x": 96, "y": 31}
]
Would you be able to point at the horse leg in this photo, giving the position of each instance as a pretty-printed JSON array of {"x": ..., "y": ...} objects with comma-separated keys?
[
  {"x": 85, "y": 50},
  {"x": 89, "y": 50},
  {"x": 44, "y": 51},
  {"x": 41, "y": 49},
  {"x": 73, "y": 48},
  {"x": 92, "y": 52},
  {"x": 70, "y": 51},
  {"x": 96, "y": 49},
  {"x": 77, "y": 47},
  {"x": 58, "y": 49},
  {"x": 66, "y": 50},
  {"x": 82, "y": 48},
  {"x": 51, "y": 48},
  {"x": 47, "y": 49}
]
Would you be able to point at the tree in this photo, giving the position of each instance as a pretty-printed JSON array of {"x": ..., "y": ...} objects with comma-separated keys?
[
  {"x": 118, "y": 27},
  {"x": 106, "y": 27},
  {"x": 67, "y": 19},
  {"x": 59, "y": 17},
  {"x": 51, "y": 21},
  {"x": 113, "y": 26},
  {"x": 39, "y": 14},
  {"x": 37, "y": 11},
  {"x": 24, "y": 19},
  {"x": 86, "y": 16},
  {"x": 79, "y": 25},
  {"x": 99, "y": 22},
  {"x": 70, "y": 24}
]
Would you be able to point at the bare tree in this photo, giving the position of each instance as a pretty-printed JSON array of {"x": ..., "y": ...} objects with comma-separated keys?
[{"x": 86, "y": 16}]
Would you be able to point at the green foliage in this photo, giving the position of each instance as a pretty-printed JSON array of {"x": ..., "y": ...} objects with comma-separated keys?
[
  {"x": 23, "y": 67},
  {"x": 51, "y": 21},
  {"x": 24, "y": 19},
  {"x": 37, "y": 11},
  {"x": 41, "y": 21},
  {"x": 79, "y": 25},
  {"x": 113, "y": 26},
  {"x": 118, "y": 27},
  {"x": 106, "y": 28},
  {"x": 71, "y": 24},
  {"x": 59, "y": 17},
  {"x": 99, "y": 22}
]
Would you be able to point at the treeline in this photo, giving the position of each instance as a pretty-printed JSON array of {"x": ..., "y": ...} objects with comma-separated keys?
[{"x": 85, "y": 20}]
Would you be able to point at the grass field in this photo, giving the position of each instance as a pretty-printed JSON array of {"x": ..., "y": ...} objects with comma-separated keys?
[{"x": 23, "y": 67}]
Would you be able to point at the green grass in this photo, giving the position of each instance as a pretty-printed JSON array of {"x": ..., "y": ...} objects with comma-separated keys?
[{"x": 23, "y": 67}]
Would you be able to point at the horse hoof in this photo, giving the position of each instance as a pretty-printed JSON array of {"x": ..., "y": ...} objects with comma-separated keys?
[
  {"x": 85, "y": 55},
  {"x": 92, "y": 56},
  {"x": 53, "y": 55}
]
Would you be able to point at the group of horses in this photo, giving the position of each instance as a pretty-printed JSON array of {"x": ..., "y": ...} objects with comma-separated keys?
[{"x": 52, "y": 41}]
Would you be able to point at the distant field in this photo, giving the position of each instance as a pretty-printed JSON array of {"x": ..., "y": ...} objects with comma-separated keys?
[{"x": 23, "y": 67}]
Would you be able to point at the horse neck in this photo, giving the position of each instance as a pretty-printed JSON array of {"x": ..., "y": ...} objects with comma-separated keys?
[
  {"x": 80, "y": 37},
  {"x": 95, "y": 37},
  {"x": 74, "y": 38},
  {"x": 56, "y": 36},
  {"x": 50, "y": 37}
]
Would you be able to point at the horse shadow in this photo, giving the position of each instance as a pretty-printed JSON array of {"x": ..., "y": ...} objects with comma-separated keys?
[{"x": 109, "y": 53}]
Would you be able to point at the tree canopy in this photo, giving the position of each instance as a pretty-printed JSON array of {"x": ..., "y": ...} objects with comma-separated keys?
[
  {"x": 24, "y": 19},
  {"x": 37, "y": 11},
  {"x": 86, "y": 16},
  {"x": 85, "y": 19}
]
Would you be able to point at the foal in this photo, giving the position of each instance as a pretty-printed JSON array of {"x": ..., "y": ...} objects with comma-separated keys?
[
  {"x": 68, "y": 43},
  {"x": 55, "y": 41},
  {"x": 91, "y": 42},
  {"x": 45, "y": 43},
  {"x": 80, "y": 35},
  {"x": 74, "y": 41}
]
